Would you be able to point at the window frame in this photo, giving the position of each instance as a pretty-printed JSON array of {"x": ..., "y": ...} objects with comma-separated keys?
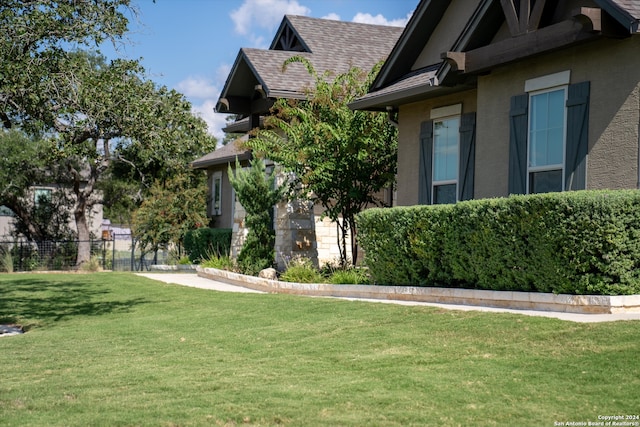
[
  {"x": 434, "y": 182},
  {"x": 552, "y": 167},
  {"x": 216, "y": 193}
]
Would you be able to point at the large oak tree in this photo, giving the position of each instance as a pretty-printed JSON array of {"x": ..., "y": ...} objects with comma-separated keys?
[{"x": 93, "y": 110}]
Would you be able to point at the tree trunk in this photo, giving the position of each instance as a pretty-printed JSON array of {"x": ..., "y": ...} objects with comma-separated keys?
[
  {"x": 84, "y": 243},
  {"x": 354, "y": 241}
]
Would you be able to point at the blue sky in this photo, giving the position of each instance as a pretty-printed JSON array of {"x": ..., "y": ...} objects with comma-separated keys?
[{"x": 190, "y": 45}]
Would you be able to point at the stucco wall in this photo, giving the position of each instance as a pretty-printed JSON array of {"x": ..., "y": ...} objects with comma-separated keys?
[
  {"x": 612, "y": 68},
  {"x": 611, "y": 65}
]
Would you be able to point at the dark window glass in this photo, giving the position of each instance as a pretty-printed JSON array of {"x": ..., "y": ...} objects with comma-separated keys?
[
  {"x": 444, "y": 194},
  {"x": 545, "y": 181}
]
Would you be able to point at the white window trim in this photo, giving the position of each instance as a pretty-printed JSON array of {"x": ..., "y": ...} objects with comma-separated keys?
[
  {"x": 456, "y": 111},
  {"x": 547, "y": 82},
  {"x": 564, "y": 133}
]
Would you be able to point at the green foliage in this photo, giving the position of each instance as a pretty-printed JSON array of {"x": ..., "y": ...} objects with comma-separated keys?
[
  {"x": 341, "y": 158},
  {"x": 221, "y": 262},
  {"x": 258, "y": 193},
  {"x": 349, "y": 276},
  {"x": 301, "y": 270},
  {"x": 6, "y": 260},
  {"x": 585, "y": 242},
  {"x": 204, "y": 243},
  {"x": 169, "y": 213}
]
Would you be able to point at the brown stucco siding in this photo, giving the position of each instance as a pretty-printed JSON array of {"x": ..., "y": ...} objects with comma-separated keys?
[
  {"x": 612, "y": 68},
  {"x": 410, "y": 118}
]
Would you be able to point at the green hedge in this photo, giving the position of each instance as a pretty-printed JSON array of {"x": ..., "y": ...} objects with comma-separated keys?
[
  {"x": 584, "y": 242},
  {"x": 202, "y": 243}
]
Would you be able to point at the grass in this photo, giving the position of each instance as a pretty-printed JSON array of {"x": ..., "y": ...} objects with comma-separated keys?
[{"x": 116, "y": 349}]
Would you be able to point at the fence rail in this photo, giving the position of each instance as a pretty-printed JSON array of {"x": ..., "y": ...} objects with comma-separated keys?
[{"x": 119, "y": 253}]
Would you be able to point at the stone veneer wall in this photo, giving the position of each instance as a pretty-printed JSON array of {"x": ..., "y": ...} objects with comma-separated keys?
[{"x": 300, "y": 232}]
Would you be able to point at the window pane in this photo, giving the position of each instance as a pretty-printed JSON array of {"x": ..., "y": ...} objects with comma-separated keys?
[
  {"x": 443, "y": 194},
  {"x": 445, "y": 149},
  {"x": 545, "y": 182},
  {"x": 546, "y": 129}
]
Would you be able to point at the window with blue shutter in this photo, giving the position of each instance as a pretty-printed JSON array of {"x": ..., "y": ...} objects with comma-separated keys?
[
  {"x": 548, "y": 140},
  {"x": 447, "y": 159}
]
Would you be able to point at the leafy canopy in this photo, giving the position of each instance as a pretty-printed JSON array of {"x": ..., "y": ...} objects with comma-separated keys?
[{"x": 341, "y": 158}]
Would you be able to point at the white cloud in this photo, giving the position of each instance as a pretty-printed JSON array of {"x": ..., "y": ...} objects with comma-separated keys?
[
  {"x": 367, "y": 18},
  {"x": 198, "y": 87},
  {"x": 215, "y": 121},
  {"x": 333, "y": 16},
  {"x": 264, "y": 14}
]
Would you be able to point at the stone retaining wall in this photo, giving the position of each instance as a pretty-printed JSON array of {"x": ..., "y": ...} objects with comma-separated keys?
[{"x": 585, "y": 304}]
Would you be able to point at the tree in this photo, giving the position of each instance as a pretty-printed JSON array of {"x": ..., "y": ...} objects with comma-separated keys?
[
  {"x": 37, "y": 216},
  {"x": 169, "y": 212},
  {"x": 34, "y": 33},
  {"x": 113, "y": 103},
  {"x": 96, "y": 104},
  {"x": 258, "y": 193},
  {"x": 93, "y": 111},
  {"x": 341, "y": 158}
]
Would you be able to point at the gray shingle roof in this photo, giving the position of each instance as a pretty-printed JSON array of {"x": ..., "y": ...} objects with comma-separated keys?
[
  {"x": 335, "y": 46},
  {"x": 631, "y": 6},
  {"x": 223, "y": 155}
]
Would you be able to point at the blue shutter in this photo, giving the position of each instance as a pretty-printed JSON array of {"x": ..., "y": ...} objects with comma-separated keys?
[
  {"x": 577, "y": 136},
  {"x": 466, "y": 169},
  {"x": 518, "y": 124},
  {"x": 426, "y": 159}
]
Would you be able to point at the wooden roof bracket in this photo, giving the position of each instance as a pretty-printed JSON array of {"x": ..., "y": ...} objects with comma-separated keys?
[
  {"x": 590, "y": 18},
  {"x": 586, "y": 24},
  {"x": 456, "y": 60}
]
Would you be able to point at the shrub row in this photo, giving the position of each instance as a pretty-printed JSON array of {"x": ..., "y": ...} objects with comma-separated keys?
[
  {"x": 202, "y": 243},
  {"x": 585, "y": 242}
]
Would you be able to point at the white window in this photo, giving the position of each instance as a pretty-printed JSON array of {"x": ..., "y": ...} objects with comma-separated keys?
[
  {"x": 216, "y": 193},
  {"x": 446, "y": 148},
  {"x": 546, "y": 133},
  {"x": 546, "y": 140}
]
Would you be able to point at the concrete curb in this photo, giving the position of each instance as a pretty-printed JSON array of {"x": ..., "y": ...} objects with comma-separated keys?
[{"x": 581, "y": 304}]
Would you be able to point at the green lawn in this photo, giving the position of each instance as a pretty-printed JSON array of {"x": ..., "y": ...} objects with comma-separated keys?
[{"x": 115, "y": 349}]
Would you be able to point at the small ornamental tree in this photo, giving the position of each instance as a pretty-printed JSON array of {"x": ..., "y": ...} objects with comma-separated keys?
[
  {"x": 341, "y": 158},
  {"x": 169, "y": 213},
  {"x": 258, "y": 193}
]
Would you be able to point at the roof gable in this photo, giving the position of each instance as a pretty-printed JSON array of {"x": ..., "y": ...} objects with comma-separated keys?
[
  {"x": 287, "y": 38},
  {"x": 333, "y": 46},
  {"x": 534, "y": 28}
]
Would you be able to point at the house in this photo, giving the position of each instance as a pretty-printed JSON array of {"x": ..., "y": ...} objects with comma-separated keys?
[
  {"x": 255, "y": 82},
  {"x": 513, "y": 97}
]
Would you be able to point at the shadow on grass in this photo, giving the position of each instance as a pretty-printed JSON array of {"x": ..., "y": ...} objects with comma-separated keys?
[{"x": 40, "y": 301}]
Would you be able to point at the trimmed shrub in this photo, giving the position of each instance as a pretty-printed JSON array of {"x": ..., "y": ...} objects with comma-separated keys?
[
  {"x": 202, "y": 243},
  {"x": 584, "y": 242}
]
